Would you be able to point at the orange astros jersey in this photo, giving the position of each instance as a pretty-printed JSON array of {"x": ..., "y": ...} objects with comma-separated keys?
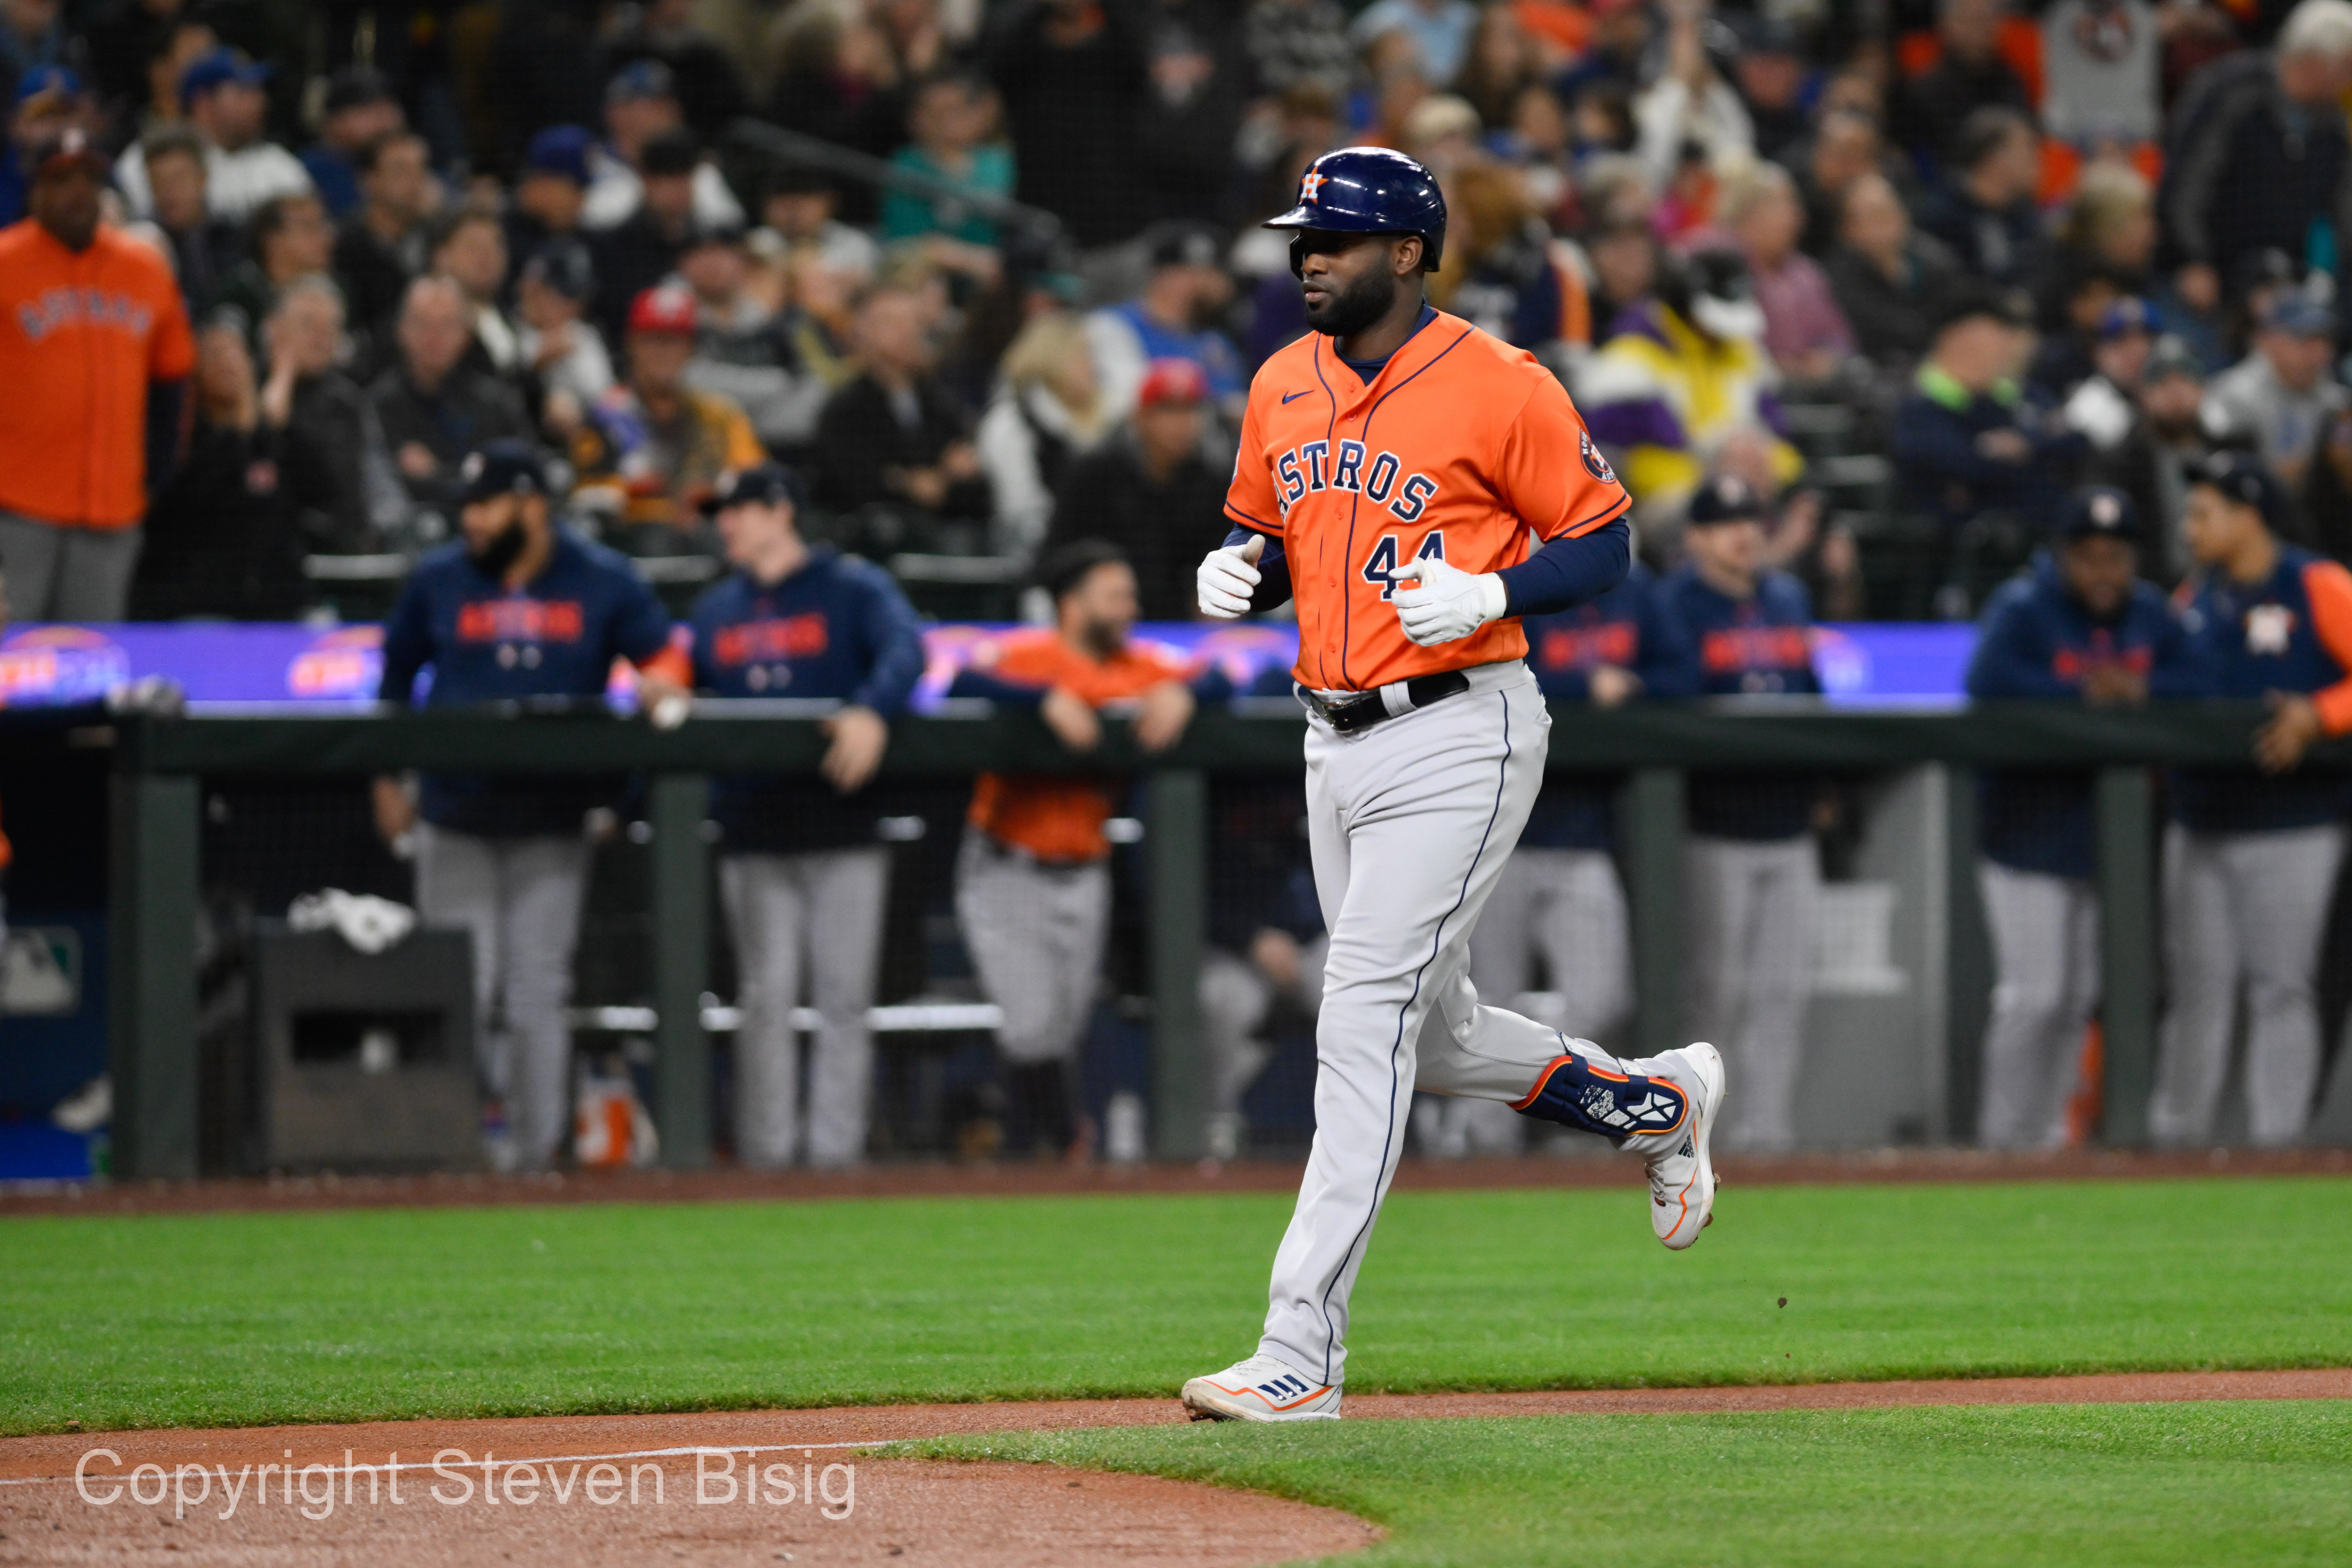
[{"x": 1459, "y": 447}]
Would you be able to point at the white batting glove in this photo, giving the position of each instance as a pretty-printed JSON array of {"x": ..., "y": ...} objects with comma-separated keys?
[
  {"x": 1446, "y": 603},
  {"x": 1226, "y": 578}
]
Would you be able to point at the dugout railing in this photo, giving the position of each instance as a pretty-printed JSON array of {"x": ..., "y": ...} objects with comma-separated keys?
[{"x": 160, "y": 762}]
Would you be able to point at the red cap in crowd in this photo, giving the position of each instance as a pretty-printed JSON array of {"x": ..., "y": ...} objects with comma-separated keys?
[
  {"x": 665, "y": 307},
  {"x": 1172, "y": 381}
]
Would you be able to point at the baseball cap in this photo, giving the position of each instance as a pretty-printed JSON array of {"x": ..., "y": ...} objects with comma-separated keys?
[
  {"x": 1726, "y": 498},
  {"x": 664, "y": 307},
  {"x": 564, "y": 266},
  {"x": 1970, "y": 300},
  {"x": 2244, "y": 479},
  {"x": 2298, "y": 313},
  {"x": 218, "y": 68},
  {"x": 2128, "y": 314},
  {"x": 640, "y": 80},
  {"x": 506, "y": 468},
  {"x": 2099, "y": 510},
  {"x": 1181, "y": 244},
  {"x": 59, "y": 79},
  {"x": 63, "y": 147},
  {"x": 1172, "y": 381},
  {"x": 763, "y": 484},
  {"x": 560, "y": 150},
  {"x": 1063, "y": 569},
  {"x": 355, "y": 87},
  {"x": 2170, "y": 356}
]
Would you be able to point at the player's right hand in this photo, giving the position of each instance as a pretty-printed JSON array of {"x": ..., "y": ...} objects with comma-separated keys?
[{"x": 1227, "y": 577}]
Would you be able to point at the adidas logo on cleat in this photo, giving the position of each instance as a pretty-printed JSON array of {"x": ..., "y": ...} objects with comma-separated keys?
[{"x": 1285, "y": 1387}]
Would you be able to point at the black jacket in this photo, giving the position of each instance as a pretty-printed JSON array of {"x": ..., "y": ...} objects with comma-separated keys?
[
  {"x": 1165, "y": 526},
  {"x": 2246, "y": 169},
  {"x": 466, "y": 410},
  {"x": 227, "y": 535},
  {"x": 859, "y": 438}
]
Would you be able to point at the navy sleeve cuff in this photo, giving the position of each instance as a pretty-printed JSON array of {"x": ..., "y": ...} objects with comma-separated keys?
[{"x": 1568, "y": 572}]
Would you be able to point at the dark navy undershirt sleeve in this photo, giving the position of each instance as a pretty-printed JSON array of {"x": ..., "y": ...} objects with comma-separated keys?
[
  {"x": 407, "y": 645},
  {"x": 1568, "y": 572},
  {"x": 1273, "y": 566},
  {"x": 897, "y": 638}
]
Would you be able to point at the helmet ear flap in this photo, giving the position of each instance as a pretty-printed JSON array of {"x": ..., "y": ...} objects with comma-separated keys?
[{"x": 1298, "y": 255}]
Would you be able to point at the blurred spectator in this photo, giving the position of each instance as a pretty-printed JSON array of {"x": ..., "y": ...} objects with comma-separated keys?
[
  {"x": 1690, "y": 114},
  {"x": 1439, "y": 31},
  {"x": 1148, "y": 492},
  {"x": 799, "y": 204},
  {"x": 1621, "y": 42},
  {"x": 1751, "y": 870},
  {"x": 204, "y": 249},
  {"x": 550, "y": 190},
  {"x": 121, "y": 36},
  {"x": 743, "y": 349},
  {"x": 2099, "y": 321},
  {"x": 171, "y": 49},
  {"x": 1503, "y": 62},
  {"x": 89, "y": 320},
  {"x": 434, "y": 408},
  {"x": 2081, "y": 628},
  {"x": 518, "y": 607},
  {"x": 1071, "y": 72},
  {"x": 2158, "y": 449},
  {"x": 653, "y": 448},
  {"x": 895, "y": 445},
  {"x": 1966, "y": 443},
  {"x": 1509, "y": 277},
  {"x": 2109, "y": 228},
  {"x": 1683, "y": 374},
  {"x": 823, "y": 319},
  {"x": 1988, "y": 217},
  {"x": 221, "y": 94},
  {"x": 1805, "y": 330},
  {"x": 1046, "y": 414},
  {"x": 2276, "y": 399},
  {"x": 952, "y": 137},
  {"x": 1189, "y": 115},
  {"x": 643, "y": 248},
  {"x": 358, "y": 108},
  {"x": 1969, "y": 74},
  {"x": 1032, "y": 881},
  {"x": 803, "y": 874},
  {"x": 1891, "y": 282},
  {"x": 641, "y": 112},
  {"x": 306, "y": 393},
  {"x": 45, "y": 100},
  {"x": 469, "y": 247},
  {"x": 1290, "y": 42},
  {"x": 2251, "y": 862},
  {"x": 1171, "y": 318},
  {"x": 226, "y": 537},
  {"x": 1624, "y": 273},
  {"x": 2100, "y": 61},
  {"x": 1443, "y": 134},
  {"x": 292, "y": 238},
  {"x": 710, "y": 89},
  {"x": 2103, "y": 403},
  {"x": 381, "y": 247},
  {"x": 839, "y": 78},
  {"x": 1844, "y": 149},
  {"x": 1771, "y": 75},
  {"x": 559, "y": 347},
  {"x": 2256, "y": 152}
]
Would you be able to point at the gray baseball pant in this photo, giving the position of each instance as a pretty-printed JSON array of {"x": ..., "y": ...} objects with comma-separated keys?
[
  {"x": 2045, "y": 941},
  {"x": 1747, "y": 911},
  {"x": 1035, "y": 935},
  {"x": 60, "y": 572},
  {"x": 1426, "y": 807},
  {"x": 519, "y": 900},
  {"x": 2251, "y": 905},
  {"x": 813, "y": 916}
]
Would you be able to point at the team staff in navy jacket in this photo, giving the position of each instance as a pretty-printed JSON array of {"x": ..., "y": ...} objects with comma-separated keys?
[
  {"x": 2251, "y": 860},
  {"x": 1751, "y": 873},
  {"x": 2080, "y": 627},
  {"x": 803, "y": 874},
  {"x": 519, "y": 607},
  {"x": 1559, "y": 897}
]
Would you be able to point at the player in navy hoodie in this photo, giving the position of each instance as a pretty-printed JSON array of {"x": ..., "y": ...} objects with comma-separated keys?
[
  {"x": 519, "y": 607},
  {"x": 1559, "y": 897},
  {"x": 2079, "y": 627},
  {"x": 2251, "y": 861},
  {"x": 1751, "y": 873},
  {"x": 803, "y": 874}
]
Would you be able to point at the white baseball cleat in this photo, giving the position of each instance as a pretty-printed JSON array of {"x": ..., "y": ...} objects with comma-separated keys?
[
  {"x": 1682, "y": 1175},
  {"x": 1262, "y": 1388}
]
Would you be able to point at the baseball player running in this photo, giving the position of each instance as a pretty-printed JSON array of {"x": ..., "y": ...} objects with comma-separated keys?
[{"x": 1392, "y": 465}]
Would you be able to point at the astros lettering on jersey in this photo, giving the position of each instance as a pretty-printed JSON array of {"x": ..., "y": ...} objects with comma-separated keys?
[{"x": 1459, "y": 447}]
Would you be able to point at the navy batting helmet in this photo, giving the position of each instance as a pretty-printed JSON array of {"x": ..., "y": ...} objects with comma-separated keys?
[{"x": 1369, "y": 190}]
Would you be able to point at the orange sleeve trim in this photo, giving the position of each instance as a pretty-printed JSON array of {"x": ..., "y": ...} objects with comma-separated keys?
[
  {"x": 1601, "y": 518},
  {"x": 1270, "y": 530},
  {"x": 2328, "y": 586},
  {"x": 671, "y": 665}
]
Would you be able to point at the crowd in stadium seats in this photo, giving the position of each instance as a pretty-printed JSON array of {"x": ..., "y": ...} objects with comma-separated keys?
[{"x": 1914, "y": 270}]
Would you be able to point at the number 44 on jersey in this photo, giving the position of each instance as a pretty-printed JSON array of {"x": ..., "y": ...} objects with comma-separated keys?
[{"x": 1381, "y": 566}]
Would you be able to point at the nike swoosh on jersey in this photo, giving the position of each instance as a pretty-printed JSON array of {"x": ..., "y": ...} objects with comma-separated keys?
[{"x": 1289, "y": 395}]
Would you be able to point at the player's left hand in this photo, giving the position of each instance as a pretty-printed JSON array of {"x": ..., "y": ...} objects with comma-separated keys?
[
  {"x": 1446, "y": 603},
  {"x": 2294, "y": 725},
  {"x": 859, "y": 738}
]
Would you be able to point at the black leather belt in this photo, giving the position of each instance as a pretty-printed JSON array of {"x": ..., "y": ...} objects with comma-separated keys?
[{"x": 1359, "y": 713}]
